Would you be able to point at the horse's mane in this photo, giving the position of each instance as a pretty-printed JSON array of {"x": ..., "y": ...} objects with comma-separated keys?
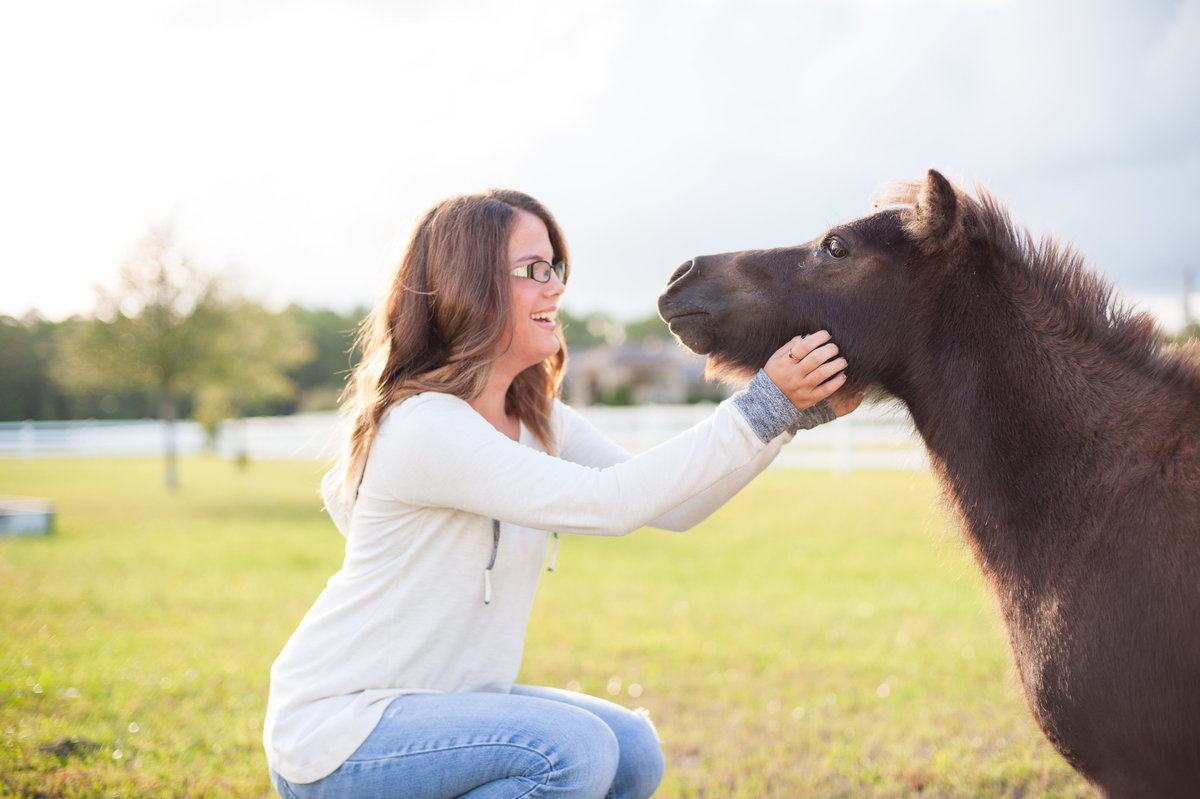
[{"x": 1053, "y": 282}]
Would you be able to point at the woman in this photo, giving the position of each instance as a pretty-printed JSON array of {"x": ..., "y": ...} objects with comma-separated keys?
[{"x": 400, "y": 680}]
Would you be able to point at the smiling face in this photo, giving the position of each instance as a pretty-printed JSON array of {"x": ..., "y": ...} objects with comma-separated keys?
[{"x": 533, "y": 306}]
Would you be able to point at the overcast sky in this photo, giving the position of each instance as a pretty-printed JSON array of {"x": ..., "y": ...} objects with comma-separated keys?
[{"x": 292, "y": 144}]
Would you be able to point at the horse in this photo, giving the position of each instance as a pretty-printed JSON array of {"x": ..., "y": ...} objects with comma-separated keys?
[{"x": 1062, "y": 428}]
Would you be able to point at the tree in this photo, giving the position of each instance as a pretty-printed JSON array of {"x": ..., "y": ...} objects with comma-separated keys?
[
  {"x": 650, "y": 327},
  {"x": 251, "y": 355},
  {"x": 1189, "y": 332},
  {"x": 24, "y": 373},
  {"x": 169, "y": 328},
  {"x": 321, "y": 379}
]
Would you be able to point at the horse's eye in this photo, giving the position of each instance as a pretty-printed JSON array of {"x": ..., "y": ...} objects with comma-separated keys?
[{"x": 836, "y": 247}]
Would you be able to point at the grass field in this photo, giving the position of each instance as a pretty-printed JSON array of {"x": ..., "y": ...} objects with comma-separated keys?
[{"x": 820, "y": 636}]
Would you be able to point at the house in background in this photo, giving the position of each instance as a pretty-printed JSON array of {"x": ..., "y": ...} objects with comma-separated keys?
[{"x": 634, "y": 373}]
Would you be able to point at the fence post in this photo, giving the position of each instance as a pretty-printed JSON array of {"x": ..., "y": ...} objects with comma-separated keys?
[
  {"x": 843, "y": 447},
  {"x": 28, "y": 444}
]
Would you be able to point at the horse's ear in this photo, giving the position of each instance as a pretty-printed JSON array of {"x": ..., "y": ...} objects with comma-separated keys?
[{"x": 936, "y": 208}]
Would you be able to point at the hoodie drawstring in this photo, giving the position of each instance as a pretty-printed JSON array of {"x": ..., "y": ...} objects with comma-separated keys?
[{"x": 487, "y": 572}]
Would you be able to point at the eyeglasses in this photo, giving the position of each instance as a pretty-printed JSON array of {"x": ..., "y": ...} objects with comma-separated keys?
[{"x": 540, "y": 271}]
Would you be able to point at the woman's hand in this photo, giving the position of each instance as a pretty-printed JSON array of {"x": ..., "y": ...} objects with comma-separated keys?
[{"x": 807, "y": 370}]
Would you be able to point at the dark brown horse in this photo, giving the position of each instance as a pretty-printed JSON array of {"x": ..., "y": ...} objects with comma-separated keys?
[{"x": 1065, "y": 433}]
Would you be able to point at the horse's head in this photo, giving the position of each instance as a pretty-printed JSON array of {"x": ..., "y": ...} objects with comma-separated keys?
[{"x": 854, "y": 281}]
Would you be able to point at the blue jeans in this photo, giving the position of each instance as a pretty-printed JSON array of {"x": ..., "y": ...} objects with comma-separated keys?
[{"x": 533, "y": 742}]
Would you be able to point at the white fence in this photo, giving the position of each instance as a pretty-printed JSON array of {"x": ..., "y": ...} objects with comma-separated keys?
[
  {"x": 299, "y": 437},
  {"x": 870, "y": 439}
]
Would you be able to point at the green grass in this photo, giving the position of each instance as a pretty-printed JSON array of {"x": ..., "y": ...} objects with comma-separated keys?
[{"x": 819, "y": 636}]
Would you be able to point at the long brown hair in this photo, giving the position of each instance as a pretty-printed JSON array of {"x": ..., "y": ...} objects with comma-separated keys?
[{"x": 439, "y": 324}]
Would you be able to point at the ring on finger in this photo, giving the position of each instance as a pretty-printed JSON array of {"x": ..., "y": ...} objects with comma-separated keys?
[{"x": 793, "y": 358}]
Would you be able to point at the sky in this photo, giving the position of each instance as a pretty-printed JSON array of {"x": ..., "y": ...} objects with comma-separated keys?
[{"x": 291, "y": 144}]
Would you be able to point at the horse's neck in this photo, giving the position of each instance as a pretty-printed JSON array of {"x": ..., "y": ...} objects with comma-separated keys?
[{"x": 1011, "y": 423}]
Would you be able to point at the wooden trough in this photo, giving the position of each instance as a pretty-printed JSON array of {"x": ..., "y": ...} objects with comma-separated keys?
[{"x": 25, "y": 516}]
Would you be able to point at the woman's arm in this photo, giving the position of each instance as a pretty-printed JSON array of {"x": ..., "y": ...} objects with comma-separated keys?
[
  {"x": 583, "y": 443},
  {"x": 435, "y": 450},
  {"x": 580, "y": 442}
]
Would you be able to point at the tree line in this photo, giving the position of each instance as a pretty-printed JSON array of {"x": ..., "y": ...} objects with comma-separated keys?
[{"x": 171, "y": 340}]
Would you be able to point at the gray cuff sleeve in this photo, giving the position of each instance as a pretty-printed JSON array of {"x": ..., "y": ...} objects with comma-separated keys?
[{"x": 771, "y": 414}]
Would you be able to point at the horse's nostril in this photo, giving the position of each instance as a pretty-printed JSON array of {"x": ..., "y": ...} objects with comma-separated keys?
[{"x": 681, "y": 271}]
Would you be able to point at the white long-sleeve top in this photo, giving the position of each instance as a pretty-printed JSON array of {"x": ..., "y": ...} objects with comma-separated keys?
[{"x": 407, "y": 613}]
